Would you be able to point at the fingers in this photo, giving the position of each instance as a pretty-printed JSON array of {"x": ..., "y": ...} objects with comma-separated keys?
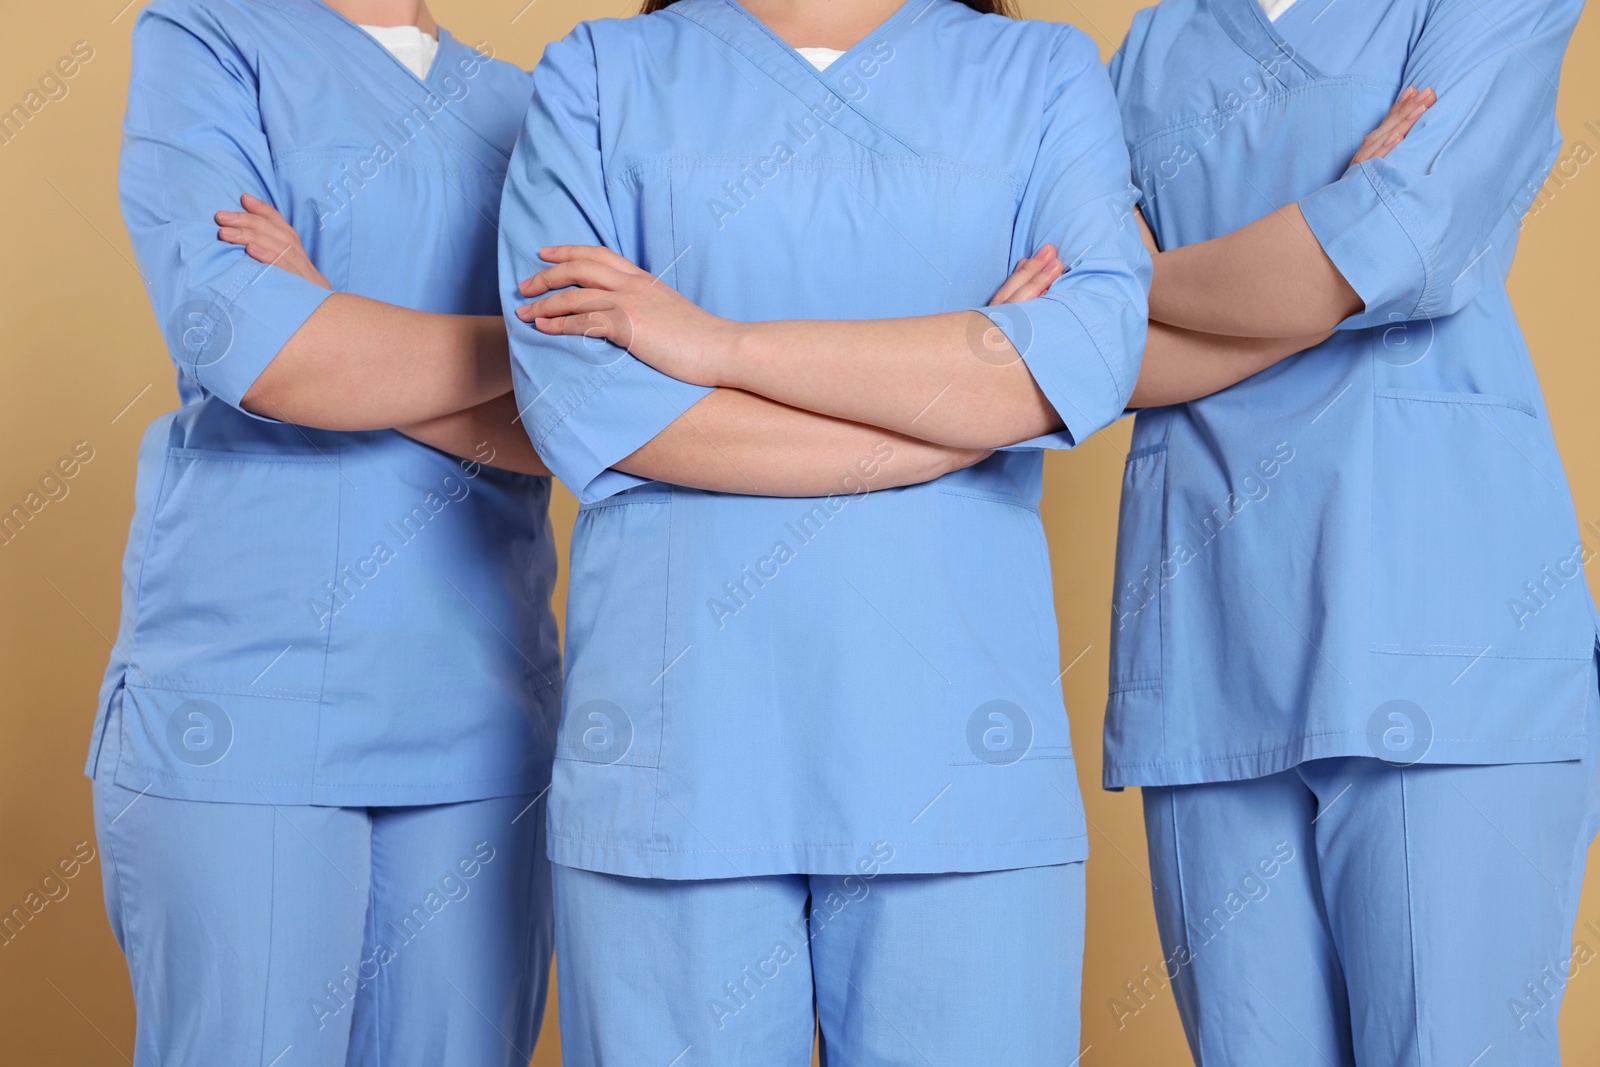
[
  {"x": 588, "y": 253},
  {"x": 1041, "y": 282},
  {"x": 1025, "y": 270},
  {"x": 256, "y": 206},
  {"x": 588, "y": 271},
  {"x": 567, "y": 302},
  {"x": 1032, "y": 277},
  {"x": 1402, "y": 116},
  {"x": 1419, "y": 105}
]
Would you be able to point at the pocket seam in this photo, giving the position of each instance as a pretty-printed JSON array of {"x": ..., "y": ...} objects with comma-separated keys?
[
  {"x": 1466, "y": 399},
  {"x": 213, "y": 455},
  {"x": 991, "y": 498}
]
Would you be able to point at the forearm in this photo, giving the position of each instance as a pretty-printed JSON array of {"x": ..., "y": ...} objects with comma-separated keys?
[
  {"x": 359, "y": 364},
  {"x": 1182, "y": 365},
  {"x": 1268, "y": 279},
  {"x": 488, "y": 433},
  {"x": 951, "y": 379},
  {"x": 736, "y": 442}
]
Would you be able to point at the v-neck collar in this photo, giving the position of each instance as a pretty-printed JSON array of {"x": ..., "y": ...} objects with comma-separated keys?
[
  {"x": 410, "y": 85},
  {"x": 447, "y": 43},
  {"x": 1248, "y": 25},
  {"x": 905, "y": 10},
  {"x": 730, "y": 23}
]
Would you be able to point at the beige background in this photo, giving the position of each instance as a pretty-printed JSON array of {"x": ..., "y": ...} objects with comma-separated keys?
[{"x": 83, "y": 362}]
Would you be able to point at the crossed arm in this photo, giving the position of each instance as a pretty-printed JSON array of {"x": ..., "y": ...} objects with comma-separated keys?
[
  {"x": 445, "y": 380},
  {"x": 1225, "y": 309},
  {"x": 787, "y": 415}
]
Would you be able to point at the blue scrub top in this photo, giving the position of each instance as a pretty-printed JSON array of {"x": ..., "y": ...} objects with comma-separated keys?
[
  {"x": 312, "y": 617},
  {"x": 1370, "y": 548},
  {"x": 759, "y": 685}
]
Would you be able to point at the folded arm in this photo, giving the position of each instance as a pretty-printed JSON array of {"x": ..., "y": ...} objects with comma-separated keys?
[{"x": 264, "y": 333}]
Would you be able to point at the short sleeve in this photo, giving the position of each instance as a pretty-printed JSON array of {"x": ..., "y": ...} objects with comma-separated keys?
[
  {"x": 1084, "y": 339},
  {"x": 586, "y": 402},
  {"x": 1417, "y": 232},
  {"x": 192, "y": 143}
]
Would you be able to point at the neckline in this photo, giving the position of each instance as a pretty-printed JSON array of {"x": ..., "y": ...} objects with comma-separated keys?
[
  {"x": 877, "y": 31},
  {"x": 444, "y": 39},
  {"x": 1247, "y": 23}
]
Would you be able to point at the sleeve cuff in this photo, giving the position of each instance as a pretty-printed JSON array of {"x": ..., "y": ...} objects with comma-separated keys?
[
  {"x": 225, "y": 341},
  {"x": 1067, "y": 364},
  {"x": 1359, "y": 230},
  {"x": 612, "y": 420}
]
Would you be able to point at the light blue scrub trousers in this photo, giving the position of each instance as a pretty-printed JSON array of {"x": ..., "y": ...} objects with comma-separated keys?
[
  {"x": 1424, "y": 919},
  {"x": 912, "y": 969},
  {"x": 261, "y": 935}
]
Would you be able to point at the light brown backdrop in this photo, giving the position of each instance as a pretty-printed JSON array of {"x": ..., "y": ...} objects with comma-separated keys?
[{"x": 82, "y": 361}]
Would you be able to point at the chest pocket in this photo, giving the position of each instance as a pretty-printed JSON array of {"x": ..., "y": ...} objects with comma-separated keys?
[
  {"x": 849, "y": 236},
  {"x": 1206, "y": 175}
]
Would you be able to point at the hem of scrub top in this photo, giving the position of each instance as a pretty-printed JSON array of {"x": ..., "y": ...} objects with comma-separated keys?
[
  {"x": 909, "y": 858},
  {"x": 1121, "y": 773},
  {"x": 130, "y": 775}
]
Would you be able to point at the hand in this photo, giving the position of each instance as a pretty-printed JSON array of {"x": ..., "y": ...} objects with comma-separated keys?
[
  {"x": 605, "y": 296},
  {"x": 1032, "y": 278},
  {"x": 268, "y": 238},
  {"x": 1395, "y": 125}
]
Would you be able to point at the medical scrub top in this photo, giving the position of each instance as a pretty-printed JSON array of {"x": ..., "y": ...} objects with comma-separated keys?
[
  {"x": 1370, "y": 548},
  {"x": 315, "y": 617},
  {"x": 763, "y": 685}
]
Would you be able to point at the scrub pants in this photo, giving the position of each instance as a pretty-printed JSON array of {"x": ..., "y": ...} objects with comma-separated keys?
[
  {"x": 943, "y": 969},
  {"x": 1349, "y": 911},
  {"x": 276, "y": 936}
]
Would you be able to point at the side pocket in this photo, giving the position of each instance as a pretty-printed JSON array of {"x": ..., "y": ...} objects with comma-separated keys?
[
  {"x": 616, "y": 634},
  {"x": 240, "y": 547},
  {"x": 1136, "y": 595}
]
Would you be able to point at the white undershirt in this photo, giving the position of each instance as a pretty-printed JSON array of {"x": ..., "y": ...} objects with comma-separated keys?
[
  {"x": 1274, "y": 8},
  {"x": 820, "y": 57},
  {"x": 409, "y": 45}
]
